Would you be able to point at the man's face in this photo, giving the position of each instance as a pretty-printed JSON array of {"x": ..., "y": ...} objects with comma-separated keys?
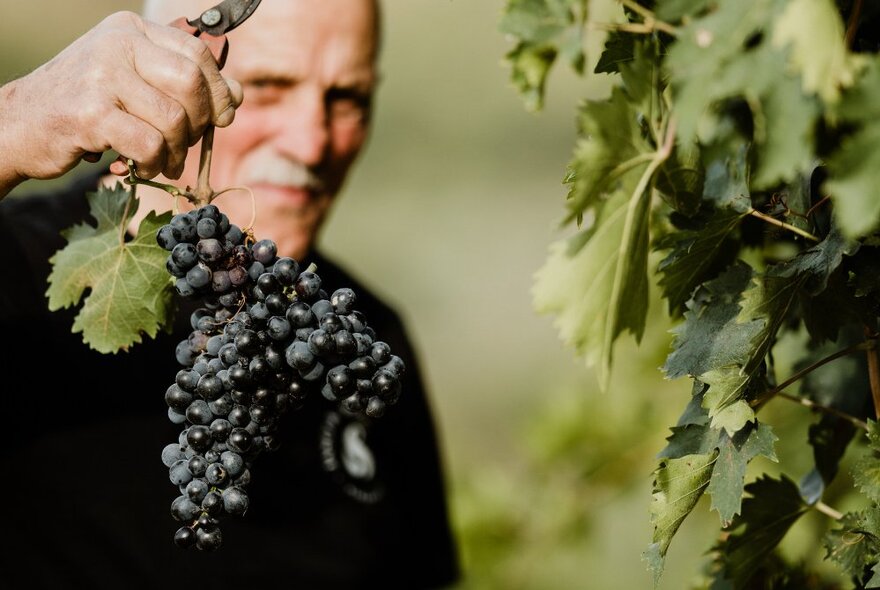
[{"x": 307, "y": 71}]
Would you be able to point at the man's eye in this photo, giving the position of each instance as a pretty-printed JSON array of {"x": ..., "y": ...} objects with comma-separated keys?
[
  {"x": 263, "y": 91},
  {"x": 346, "y": 109}
]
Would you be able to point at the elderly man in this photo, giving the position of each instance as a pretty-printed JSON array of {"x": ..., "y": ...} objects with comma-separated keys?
[{"x": 344, "y": 503}]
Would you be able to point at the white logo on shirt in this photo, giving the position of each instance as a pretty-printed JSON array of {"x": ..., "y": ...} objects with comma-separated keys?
[{"x": 346, "y": 454}]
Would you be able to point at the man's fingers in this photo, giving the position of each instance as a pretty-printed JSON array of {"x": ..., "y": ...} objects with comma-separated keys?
[
  {"x": 166, "y": 115},
  {"x": 135, "y": 139},
  {"x": 177, "y": 77},
  {"x": 222, "y": 101}
]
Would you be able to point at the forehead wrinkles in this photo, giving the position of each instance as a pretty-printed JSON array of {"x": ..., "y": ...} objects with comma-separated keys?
[
  {"x": 368, "y": 12},
  {"x": 322, "y": 47}
]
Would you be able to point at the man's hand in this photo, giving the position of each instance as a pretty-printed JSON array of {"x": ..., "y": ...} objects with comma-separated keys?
[{"x": 144, "y": 90}]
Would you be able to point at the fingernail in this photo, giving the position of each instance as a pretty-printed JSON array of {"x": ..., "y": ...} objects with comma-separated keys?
[{"x": 226, "y": 117}]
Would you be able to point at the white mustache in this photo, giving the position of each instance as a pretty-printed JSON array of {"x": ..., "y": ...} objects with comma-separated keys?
[{"x": 272, "y": 169}]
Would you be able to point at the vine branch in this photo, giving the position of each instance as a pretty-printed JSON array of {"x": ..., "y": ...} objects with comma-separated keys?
[
  {"x": 783, "y": 225},
  {"x": 828, "y": 510},
  {"x": 650, "y": 18},
  {"x": 204, "y": 193},
  {"x": 873, "y": 371},
  {"x": 870, "y": 344},
  {"x": 852, "y": 25}
]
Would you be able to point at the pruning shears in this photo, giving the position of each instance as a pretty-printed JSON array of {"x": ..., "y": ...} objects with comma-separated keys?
[
  {"x": 210, "y": 27},
  {"x": 213, "y": 24}
]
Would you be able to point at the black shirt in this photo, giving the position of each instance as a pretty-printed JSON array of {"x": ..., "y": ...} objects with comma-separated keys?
[{"x": 345, "y": 503}]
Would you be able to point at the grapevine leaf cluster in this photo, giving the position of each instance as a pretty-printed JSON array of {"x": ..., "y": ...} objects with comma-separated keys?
[
  {"x": 129, "y": 294},
  {"x": 734, "y": 164}
]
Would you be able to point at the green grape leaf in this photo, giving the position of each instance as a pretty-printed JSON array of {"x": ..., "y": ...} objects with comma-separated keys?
[
  {"x": 619, "y": 49},
  {"x": 829, "y": 438},
  {"x": 729, "y": 327},
  {"x": 728, "y": 475},
  {"x": 854, "y": 168},
  {"x": 724, "y": 398},
  {"x": 817, "y": 263},
  {"x": 694, "y": 412},
  {"x": 601, "y": 288},
  {"x": 727, "y": 176},
  {"x": 612, "y": 151},
  {"x": 734, "y": 454},
  {"x": 815, "y": 33},
  {"x": 842, "y": 385},
  {"x": 694, "y": 254},
  {"x": 692, "y": 439},
  {"x": 866, "y": 476},
  {"x": 726, "y": 57},
  {"x": 874, "y": 435},
  {"x": 680, "y": 179},
  {"x": 544, "y": 29},
  {"x": 835, "y": 307},
  {"x": 865, "y": 279},
  {"x": 678, "y": 485},
  {"x": 710, "y": 337},
  {"x": 768, "y": 301},
  {"x": 874, "y": 582},
  {"x": 786, "y": 135},
  {"x": 129, "y": 289},
  {"x": 674, "y": 10},
  {"x": 866, "y": 473},
  {"x": 854, "y": 174},
  {"x": 856, "y": 544},
  {"x": 772, "y": 507},
  {"x": 710, "y": 62}
]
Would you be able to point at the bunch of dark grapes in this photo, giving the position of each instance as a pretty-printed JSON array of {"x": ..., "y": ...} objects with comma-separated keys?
[{"x": 266, "y": 339}]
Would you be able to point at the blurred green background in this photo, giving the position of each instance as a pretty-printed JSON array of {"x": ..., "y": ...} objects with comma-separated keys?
[{"x": 449, "y": 214}]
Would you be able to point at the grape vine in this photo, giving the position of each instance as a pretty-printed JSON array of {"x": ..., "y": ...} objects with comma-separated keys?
[{"x": 734, "y": 163}]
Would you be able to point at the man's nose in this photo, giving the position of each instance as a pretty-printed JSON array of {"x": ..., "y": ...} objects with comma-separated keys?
[{"x": 302, "y": 133}]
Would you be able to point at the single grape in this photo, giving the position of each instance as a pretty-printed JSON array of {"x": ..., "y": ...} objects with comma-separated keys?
[
  {"x": 184, "y": 255},
  {"x": 206, "y": 228},
  {"x": 167, "y": 237},
  {"x": 185, "y": 537},
  {"x": 285, "y": 270},
  {"x": 197, "y": 465},
  {"x": 307, "y": 285},
  {"x": 171, "y": 454},
  {"x": 183, "y": 509},
  {"x": 179, "y": 472},
  {"x": 264, "y": 251},
  {"x": 343, "y": 300},
  {"x": 235, "y": 501},
  {"x": 208, "y": 538},
  {"x": 199, "y": 276}
]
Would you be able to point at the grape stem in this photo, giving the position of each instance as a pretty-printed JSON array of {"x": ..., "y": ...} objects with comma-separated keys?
[
  {"x": 870, "y": 345},
  {"x": 650, "y": 24},
  {"x": 133, "y": 180},
  {"x": 873, "y": 370},
  {"x": 204, "y": 194},
  {"x": 783, "y": 225},
  {"x": 853, "y": 23},
  {"x": 827, "y": 510},
  {"x": 253, "y": 220}
]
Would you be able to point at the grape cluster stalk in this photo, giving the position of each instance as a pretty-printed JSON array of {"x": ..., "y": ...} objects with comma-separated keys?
[{"x": 267, "y": 337}]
